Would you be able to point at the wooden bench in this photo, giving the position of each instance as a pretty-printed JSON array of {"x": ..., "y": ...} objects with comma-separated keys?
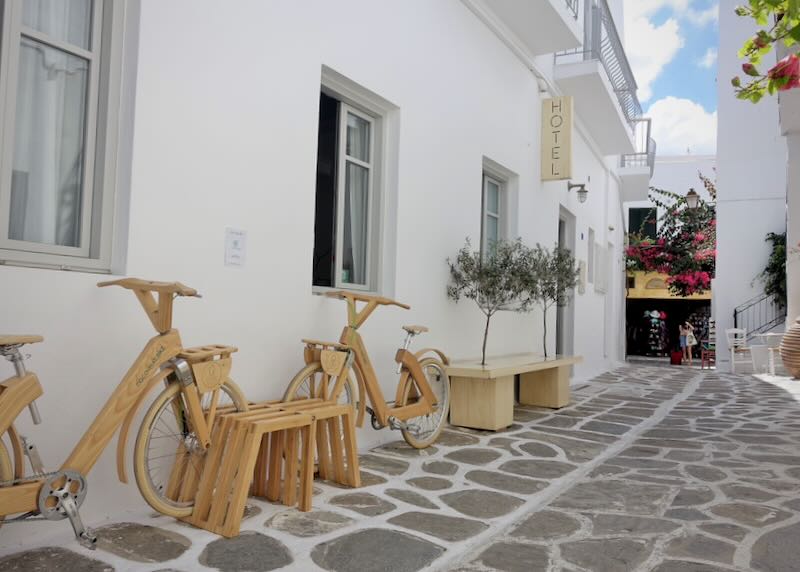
[{"x": 482, "y": 396}]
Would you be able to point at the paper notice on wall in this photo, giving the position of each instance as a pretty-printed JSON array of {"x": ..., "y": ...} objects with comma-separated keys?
[
  {"x": 235, "y": 246},
  {"x": 557, "y": 138}
]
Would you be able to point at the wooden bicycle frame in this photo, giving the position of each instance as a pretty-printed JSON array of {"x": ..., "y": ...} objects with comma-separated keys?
[
  {"x": 368, "y": 380},
  {"x": 149, "y": 368}
]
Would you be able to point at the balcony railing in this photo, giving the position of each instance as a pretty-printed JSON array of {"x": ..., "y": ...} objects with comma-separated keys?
[
  {"x": 645, "y": 155},
  {"x": 602, "y": 43},
  {"x": 572, "y": 6}
]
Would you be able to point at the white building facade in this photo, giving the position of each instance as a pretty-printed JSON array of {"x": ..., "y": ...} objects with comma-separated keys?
[
  {"x": 752, "y": 173},
  {"x": 192, "y": 118}
]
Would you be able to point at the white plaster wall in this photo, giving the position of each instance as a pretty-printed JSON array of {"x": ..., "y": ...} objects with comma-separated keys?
[
  {"x": 751, "y": 182},
  {"x": 225, "y": 135}
]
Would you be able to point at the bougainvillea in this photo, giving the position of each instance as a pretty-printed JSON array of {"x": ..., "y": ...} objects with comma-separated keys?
[
  {"x": 685, "y": 247},
  {"x": 779, "y": 24}
]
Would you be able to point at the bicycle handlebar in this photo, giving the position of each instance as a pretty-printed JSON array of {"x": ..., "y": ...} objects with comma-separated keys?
[
  {"x": 380, "y": 300},
  {"x": 151, "y": 286}
]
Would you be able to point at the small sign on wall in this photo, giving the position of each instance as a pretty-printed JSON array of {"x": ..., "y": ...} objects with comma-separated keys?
[
  {"x": 557, "y": 138},
  {"x": 235, "y": 246}
]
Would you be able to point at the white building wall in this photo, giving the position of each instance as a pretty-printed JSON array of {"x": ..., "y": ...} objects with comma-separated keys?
[
  {"x": 225, "y": 135},
  {"x": 751, "y": 183}
]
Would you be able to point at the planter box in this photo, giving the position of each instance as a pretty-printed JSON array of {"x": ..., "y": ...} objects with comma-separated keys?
[{"x": 482, "y": 396}]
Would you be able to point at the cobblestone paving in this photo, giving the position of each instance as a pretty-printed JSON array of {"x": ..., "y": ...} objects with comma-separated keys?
[{"x": 648, "y": 469}]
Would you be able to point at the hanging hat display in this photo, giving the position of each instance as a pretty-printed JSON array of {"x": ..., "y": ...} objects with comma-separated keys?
[{"x": 655, "y": 314}]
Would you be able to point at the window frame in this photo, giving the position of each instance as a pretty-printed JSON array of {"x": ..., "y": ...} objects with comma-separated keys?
[
  {"x": 485, "y": 213},
  {"x": 101, "y": 137},
  {"x": 342, "y": 159}
]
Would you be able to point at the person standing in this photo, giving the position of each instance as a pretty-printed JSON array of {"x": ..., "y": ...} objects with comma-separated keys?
[{"x": 687, "y": 340}]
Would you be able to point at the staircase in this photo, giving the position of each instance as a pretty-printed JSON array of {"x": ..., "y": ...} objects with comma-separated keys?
[{"x": 759, "y": 315}]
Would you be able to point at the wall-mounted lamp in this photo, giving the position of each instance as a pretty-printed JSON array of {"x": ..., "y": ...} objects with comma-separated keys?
[
  {"x": 583, "y": 192},
  {"x": 692, "y": 199}
]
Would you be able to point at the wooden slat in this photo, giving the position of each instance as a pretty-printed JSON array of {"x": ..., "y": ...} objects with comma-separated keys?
[
  {"x": 502, "y": 366},
  {"x": 291, "y": 454},
  {"x": 351, "y": 449},
  {"x": 337, "y": 457}
]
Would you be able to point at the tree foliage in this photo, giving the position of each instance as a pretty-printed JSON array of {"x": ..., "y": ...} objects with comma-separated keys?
[
  {"x": 685, "y": 244},
  {"x": 493, "y": 281},
  {"x": 550, "y": 277},
  {"x": 774, "y": 274},
  {"x": 779, "y": 24}
]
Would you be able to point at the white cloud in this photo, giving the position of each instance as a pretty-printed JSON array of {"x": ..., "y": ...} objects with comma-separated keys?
[
  {"x": 709, "y": 59},
  {"x": 680, "y": 125},
  {"x": 704, "y": 17},
  {"x": 649, "y": 47}
]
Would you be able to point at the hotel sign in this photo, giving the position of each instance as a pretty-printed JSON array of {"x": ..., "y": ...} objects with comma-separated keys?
[{"x": 557, "y": 138}]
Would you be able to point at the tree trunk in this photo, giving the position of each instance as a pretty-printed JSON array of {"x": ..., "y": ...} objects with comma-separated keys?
[
  {"x": 544, "y": 337},
  {"x": 485, "y": 336}
]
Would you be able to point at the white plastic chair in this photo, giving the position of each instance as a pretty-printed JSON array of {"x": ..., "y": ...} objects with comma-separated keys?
[{"x": 737, "y": 345}]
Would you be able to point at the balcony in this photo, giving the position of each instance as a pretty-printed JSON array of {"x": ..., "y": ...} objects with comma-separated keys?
[
  {"x": 636, "y": 169},
  {"x": 537, "y": 26},
  {"x": 599, "y": 78}
]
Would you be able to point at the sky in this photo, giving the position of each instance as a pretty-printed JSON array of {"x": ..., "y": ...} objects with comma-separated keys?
[{"x": 672, "y": 48}]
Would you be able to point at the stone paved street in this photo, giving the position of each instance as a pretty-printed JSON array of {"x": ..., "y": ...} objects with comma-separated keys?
[{"x": 662, "y": 469}]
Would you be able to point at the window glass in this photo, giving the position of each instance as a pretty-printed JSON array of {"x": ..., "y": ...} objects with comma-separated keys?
[
  {"x": 492, "y": 197},
  {"x": 66, "y": 20},
  {"x": 357, "y": 137},
  {"x": 492, "y": 230},
  {"x": 47, "y": 178}
]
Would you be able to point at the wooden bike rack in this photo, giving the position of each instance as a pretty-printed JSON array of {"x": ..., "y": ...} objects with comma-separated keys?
[{"x": 268, "y": 451}]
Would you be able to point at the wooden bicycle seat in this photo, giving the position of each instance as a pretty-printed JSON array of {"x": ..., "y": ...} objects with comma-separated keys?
[
  {"x": 151, "y": 286},
  {"x": 415, "y": 329},
  {"x": 19, "y": 340}
]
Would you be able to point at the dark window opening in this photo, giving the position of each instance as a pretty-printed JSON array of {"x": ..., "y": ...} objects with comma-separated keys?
[
  {"x": 643, "y": 221},
  {"x": 325, "y": 205}
]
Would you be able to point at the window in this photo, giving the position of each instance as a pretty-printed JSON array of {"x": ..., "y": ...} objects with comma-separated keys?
[
  {"x": 643, "y": 221},
  {"x": 59, "y": 70},
  {"x": 345, "y": 198},
  {"x": 492, "y": 219},
  {"x": 590, "y": 257}
]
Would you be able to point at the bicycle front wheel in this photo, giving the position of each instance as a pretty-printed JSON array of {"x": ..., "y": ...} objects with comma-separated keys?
[
  {"x": 426, "y": 428},
  {"x": 168, "y": 458}
]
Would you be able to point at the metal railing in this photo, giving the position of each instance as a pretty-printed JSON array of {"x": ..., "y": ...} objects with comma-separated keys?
[
  {"x": 601, "y": 42},
  {"x": 572, "y": 6},
  {"x": 645, "y": 155},
  {"x": 759, "y": 315}
]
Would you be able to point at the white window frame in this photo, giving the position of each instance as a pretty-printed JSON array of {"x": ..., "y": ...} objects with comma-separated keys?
[
  {"x": 485, "y": 213},
  {"x": 341, "y": 171},
  {"x": 101, "y": 141}
]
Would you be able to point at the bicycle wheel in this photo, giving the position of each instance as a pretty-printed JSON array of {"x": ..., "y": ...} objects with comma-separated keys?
[
  {"x": 6, "y": 471},
  {"x": 167, "y": 454},
  {"x": 428, "y": 426},
  {"x": 305, "y": 384}
]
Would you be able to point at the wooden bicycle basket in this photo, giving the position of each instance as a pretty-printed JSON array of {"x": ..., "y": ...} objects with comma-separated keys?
[{"x": 211, "y": 365}]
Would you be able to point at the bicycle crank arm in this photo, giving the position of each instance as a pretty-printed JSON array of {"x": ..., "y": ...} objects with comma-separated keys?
[
  {"x": 84, "y": 535},
  {"x": 397, "y": 425}
]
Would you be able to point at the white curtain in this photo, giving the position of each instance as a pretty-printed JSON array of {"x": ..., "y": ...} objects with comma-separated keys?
[
  {"x": 356, "y": 213},
  {"x": 50, "y": 119}
]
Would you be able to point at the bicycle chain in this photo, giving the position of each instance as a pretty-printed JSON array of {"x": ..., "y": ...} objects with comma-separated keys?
[{"x": 29, "y": 479}]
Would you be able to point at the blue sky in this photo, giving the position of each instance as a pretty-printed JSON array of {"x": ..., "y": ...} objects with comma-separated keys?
[{"x": 672, "y": 47}]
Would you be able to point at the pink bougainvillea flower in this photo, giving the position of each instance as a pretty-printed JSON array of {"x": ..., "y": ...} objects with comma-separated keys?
[{"x": 788, "y": 67}]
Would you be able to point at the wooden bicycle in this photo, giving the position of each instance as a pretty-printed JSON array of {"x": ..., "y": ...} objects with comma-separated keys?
[
  {"x": 173, "y": 436},
  {"x": 422, "y": 399}
]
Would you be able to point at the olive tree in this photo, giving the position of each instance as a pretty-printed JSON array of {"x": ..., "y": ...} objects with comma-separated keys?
[
  {"x": 548, "y": 280},
  {"x": 493, "y": 279}
]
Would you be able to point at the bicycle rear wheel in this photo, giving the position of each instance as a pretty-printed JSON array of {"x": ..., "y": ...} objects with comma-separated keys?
[
  {"x": 168, "y": 458},
  {"x": 427, "y": 427},
  {"x": 308, "y": 380}
]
